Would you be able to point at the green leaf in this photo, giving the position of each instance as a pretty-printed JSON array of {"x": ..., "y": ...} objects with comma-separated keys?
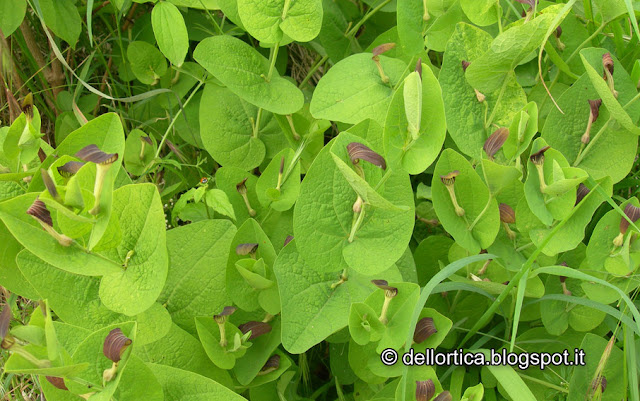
[
  {"x": 410, "y": 19},
  {"x": 136, "y": 287},
  {"x": 83, "y": 308},
  {"x": 510, "y": 381},
  {"x": 11, "y": 15},
  {"x": 364, "y": 324},
  {"x": 219, "y": 202},
  {"x": 508, "y": 50},
  {"x": 572, "y": 233},
  {"x": 231, "y": 141},
  {"x": 581, "y": 381},
  {"x": 416, "y": 155},
  {"x": 465, "y": 115},
  {"x": 616, "y": 110},
  {"x": 352, "y": 90},
  {"x": 521, "y": 131},
  {"x": 182, "y": 385},
  {"x": 147, "y": 63},
  {"x": 482, "y": 12},
  {"x": 613, "y": 152},
  {"x": 248, "y": 367},
  {"x": 178, "y": 349},
  {"x": 138, "y": 382},
  {"x": 133, "y": 163},
  {"x": 195, "y": 283},
  {"x": 313, "y": 310},
  {"x": 245, "y": 71},
  {"x": 473, "y": 196},
  {"x": 62, "y": 17},
  {"x": 271, "y": 20},
  {"x": 242, "y": 292},
  {"x": 170, "y": 32},
  {"x": 10, "y": 275},
  {"x": 283, "y": 198},
  {"x": 324, "y": 217}
]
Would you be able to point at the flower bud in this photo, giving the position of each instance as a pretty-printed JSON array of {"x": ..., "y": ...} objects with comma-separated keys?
[
  {"x": 425, "y": 328},
  {"x": 115, "y": 344},
  {"x": 425, "y": 390},
  {"x": 495, "y": 141}
]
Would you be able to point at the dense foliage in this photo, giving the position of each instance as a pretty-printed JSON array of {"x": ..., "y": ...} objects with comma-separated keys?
[{"x": 254, "y": 199}]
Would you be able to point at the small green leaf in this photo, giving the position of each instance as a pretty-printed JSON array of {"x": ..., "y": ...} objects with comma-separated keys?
[
  {"x": 147, "y": 63},
  {"x": 170, "y": 32}
]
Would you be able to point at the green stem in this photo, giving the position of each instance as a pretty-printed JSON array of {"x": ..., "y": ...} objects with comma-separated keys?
[
  {"x": 357, "y": 223},
  {"x": 486, "y": 207},
  {"x": 273, "y": 57},
  {"x": 364, "y": 19},
  {"x": 544, "y": 383},
  {"x": 256, "y": 125},
  {"x": 584, "y": 150},
  {"x": 175, "y": 118},
  {"x": 313, "y": 70},
  {"x": 495, "y": 108},
  {"x": 586, "y": 41}
]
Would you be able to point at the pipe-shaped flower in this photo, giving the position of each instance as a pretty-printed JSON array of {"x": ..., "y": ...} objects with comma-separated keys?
[
  {"x": 495, "y": 141},
  {"x": 38, "y": 210},
  {"x": 594, "y": 112},
  {"x": 241, "y": 187},
  {"x": 538, "y": 160},
  {"x": 449, "y": 181},
  {"x": 103, "y": 161},
  {"x": 633, "y": 213},
  {"x": 358, "y": 151}
]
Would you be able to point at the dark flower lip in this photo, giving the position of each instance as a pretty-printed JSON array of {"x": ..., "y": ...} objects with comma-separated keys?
[
  {"x": 5, "y": 321},
  {"x": 246, "y": 249},
  {"x": 443, "y": 396},
  {"x": 228, "y": 310},
  {"x": 115, "y": 344},
  {"x": 389, "y": 292},
  {"x": 595, "y": 108},
  {"x": 358, "y": 151},
  {"x": 70, "y": 168},
  {"x": 607, "y": 62},
  {"x": 288, "y": 239},
  {"x": 91, "y": 153},
  {"x": 465, "y": 65},
  {"x": 57, "y": 382},
  {"x": 27, "y": 106},
  {"x": 581, "y": 193},
  {"x": 425, "y": 390},
  {"x": 257, "y": 329},
  {"x": 507, "y": 214},
  {"x": 48, "y": 183},
  {"x": 633, "y": 213},
  {"x": 146, "y": 139},
  {"x": 538, "y": 157},
  {"x": 450, "y": 178},
  {"x": 495, "y": 141},
  {"x": 602, "y": 382},
  {"x": 562, "y": 278},
  {"x": 425, "y": 328},
  {"x": 385, "y": 47},
  {"x": 558, "y": 31},
  {"x": 272, "y": 363},
  {"x": 39, "y": 210},
  {"x": 241, "y": 187},
  {"x": 419, "y": 67}
]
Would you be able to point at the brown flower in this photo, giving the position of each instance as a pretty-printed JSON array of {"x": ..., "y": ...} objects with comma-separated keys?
[
  {"x": 115, "y": 344},
  {"x": 495, "y": 141},
  {"x": 425, "y": 328},
  {"x": 257, "y": 329},
  {"x": 70, "y": 168},
  {"x": 38, "y": 210},
  {"x": 425, "y": 390},
  {"x": 358, "y": 151}
]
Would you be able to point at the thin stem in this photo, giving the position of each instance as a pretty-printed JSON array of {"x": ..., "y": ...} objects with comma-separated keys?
[
  {"x": 364, "y": 19},
  {"x": 586, "y": 41},
  {"x": 495, "y": 108},
  {"x": 273, "y": 57},
  {"x": 356, "y": 225},
  {"x": 544, "y": 383},
  {"x": 486, "y": 207},
  {"x": 175, "y": 118},
  {"x": 256, "y": 125},
  {"x": 584, "y": 151},
  {"x": 313, "y": 70}
]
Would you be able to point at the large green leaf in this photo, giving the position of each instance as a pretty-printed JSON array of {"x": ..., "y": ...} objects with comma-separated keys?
[
  {"x": 352, "y": 90},
  {"x": 324, "y": 216},
  {"x": 195, "y": 283},
  {"x": 179, "y": 349},
  {"x": 245, "y": 72},
  {"x": 83, "y": 308},
  {"x": 271, "y": 20},
  {"x": 11, "y": 15},
  {"x": 311, "y": 309},
  {"x": 182, "y": 385},
  {"x": 414, "y": 156},
  {"x": 170, "y": 32},
  {"x": 62, "y": 17},
  {"x": 613, "y": 151},
  {"x": 136, "y": 287},
  {"x": 508, "y": 50},
  {"x": 473, "y": 196},
  {"x": 465, "y": 115},
  {"x": 410, "y": 19},
  {"x": 481, "y": 12},
  {"x": 227, "y": 129}
]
